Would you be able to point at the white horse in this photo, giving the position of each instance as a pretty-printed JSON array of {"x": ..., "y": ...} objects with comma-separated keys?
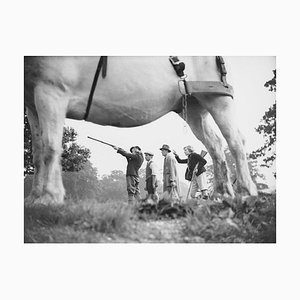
[{"x": 136, "y": 91}]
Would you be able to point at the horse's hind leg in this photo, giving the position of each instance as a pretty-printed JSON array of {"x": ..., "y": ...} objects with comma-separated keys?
[
  {"x": 37, "y": 147},
  {"x": 222, "y": 110},
  {"x": 51, "y": 104},
  {"x": 198, "y": 120}
]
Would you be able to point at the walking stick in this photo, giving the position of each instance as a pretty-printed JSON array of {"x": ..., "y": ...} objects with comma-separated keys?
[{"x": 193, "y": 176}]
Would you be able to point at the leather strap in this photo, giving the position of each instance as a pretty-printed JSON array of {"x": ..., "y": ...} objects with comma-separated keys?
[
  {"x": 222, "y": 68},
  {"x": 101, "y": 65}
]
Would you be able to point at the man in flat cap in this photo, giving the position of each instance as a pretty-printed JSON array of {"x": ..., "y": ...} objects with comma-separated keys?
[
  {"x": 135, "y": 160},
  {"x": 170, "y": 174},
  {"x": 151, "y": 178}
]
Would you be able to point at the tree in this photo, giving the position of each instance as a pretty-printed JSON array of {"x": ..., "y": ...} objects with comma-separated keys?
[
  {"x": 267, "y": 127},
  {"x": 83, "y": 184},
  {"x": 74, "y": 156},
  {"x": 28, "y": 162},
  {"x": 113, "y": 186}
]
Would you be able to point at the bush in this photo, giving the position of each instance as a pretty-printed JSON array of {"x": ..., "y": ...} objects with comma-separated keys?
[{"x": 241, "y": 222}]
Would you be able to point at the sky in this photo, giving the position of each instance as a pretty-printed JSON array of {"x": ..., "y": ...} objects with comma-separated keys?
[{"x": 247, "y": 74}]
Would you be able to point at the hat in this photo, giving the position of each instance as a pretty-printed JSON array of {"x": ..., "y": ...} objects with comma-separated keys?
[
  {"x": 165, "y": 147},
  {"x": 149, "y": 153},
  {"x": 135, "y": 147}
]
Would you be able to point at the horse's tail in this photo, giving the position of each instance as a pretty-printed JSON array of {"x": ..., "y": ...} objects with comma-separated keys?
[
  {"x": 31, "y": 69},
  {"x": 31, "y": 74}
]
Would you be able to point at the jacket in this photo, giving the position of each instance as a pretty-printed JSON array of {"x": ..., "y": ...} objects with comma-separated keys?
[
  {"x": 135, "y": 161},
  {"x": 192, "y": 160},
  {"x": 170, "y": 173}
]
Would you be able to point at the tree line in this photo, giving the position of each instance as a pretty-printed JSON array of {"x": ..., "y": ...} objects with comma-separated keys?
[{"x": 267, "y": 128}]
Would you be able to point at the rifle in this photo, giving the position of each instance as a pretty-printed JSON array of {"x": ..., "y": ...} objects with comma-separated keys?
[{"x": 101, "y": 142}]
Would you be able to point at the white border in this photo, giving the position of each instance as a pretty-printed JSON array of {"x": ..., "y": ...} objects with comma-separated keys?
[{"x": 149, "y": 271}]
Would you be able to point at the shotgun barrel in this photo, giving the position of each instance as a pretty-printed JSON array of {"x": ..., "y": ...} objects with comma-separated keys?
[{"x": 105, "y": 143}]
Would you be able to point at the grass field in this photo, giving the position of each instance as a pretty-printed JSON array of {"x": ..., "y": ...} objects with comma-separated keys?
[{"x": 91, "y": 221}]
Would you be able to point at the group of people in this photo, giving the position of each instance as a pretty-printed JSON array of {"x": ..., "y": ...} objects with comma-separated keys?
[{"x": 195, "y": 173}]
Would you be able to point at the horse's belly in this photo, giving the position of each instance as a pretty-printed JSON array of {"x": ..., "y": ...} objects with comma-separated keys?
[
  {"x": 136, "y": 91},
  {"x": 129, "y": 112},
  {"x": 127, "y": 99}
]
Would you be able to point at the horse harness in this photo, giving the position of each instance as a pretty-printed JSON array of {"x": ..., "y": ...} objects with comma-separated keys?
[
  {"x": 191, "y": 88},
  {"x": 197, "y": 88},
  {"x": 102, "y": 64}
]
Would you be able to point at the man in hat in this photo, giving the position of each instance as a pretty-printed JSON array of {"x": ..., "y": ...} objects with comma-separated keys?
[
  {"x": 170, "y": 174},
  {"x": 135, "y": 160},
  {"x": 195, "y": 171},
  {"x": 151, "y": 177}
]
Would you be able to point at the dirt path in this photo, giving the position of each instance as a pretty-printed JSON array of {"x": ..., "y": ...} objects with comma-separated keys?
[{"x": 159, "y": 231}]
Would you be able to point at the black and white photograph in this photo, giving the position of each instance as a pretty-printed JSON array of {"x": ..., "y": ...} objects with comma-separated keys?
[{"x": 138, "y": 149}]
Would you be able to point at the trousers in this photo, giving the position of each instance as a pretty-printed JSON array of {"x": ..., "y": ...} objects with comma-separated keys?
[
  {"x": 133, "y": 186},
  {"x": 199, "y": 183}
]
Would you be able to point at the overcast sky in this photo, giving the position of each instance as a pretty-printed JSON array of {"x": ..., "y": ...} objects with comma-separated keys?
[{"x": 247, "y": 74}]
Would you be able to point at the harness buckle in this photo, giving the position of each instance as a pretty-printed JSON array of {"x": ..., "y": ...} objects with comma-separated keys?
[{"x": 178, "y": 65}]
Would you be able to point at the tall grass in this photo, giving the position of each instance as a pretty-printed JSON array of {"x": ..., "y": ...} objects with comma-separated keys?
[
  {"x": 80, "y": 222},
  {"x": 91, "y": 221}
]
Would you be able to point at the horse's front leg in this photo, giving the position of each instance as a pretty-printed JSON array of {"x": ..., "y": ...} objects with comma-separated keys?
[
  {"x": 51, "y": 103},
  {"x": 200, "y": 123},
  {"x": 222, "y": 110}
]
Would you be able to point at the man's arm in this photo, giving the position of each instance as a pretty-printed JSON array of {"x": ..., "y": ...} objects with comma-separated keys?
[
  {"x": 125, "y": 153},
  {"x": 179, "y": 160}
]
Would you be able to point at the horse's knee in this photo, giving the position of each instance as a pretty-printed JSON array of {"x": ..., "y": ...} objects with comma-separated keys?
[{"x": 50, "y": 154}]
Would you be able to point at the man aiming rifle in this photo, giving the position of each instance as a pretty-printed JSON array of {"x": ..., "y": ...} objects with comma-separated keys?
[{"x": 135, "y": 160}]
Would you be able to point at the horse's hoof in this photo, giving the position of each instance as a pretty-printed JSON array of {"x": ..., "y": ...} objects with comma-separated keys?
[{"x": 45, "y": 199}]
